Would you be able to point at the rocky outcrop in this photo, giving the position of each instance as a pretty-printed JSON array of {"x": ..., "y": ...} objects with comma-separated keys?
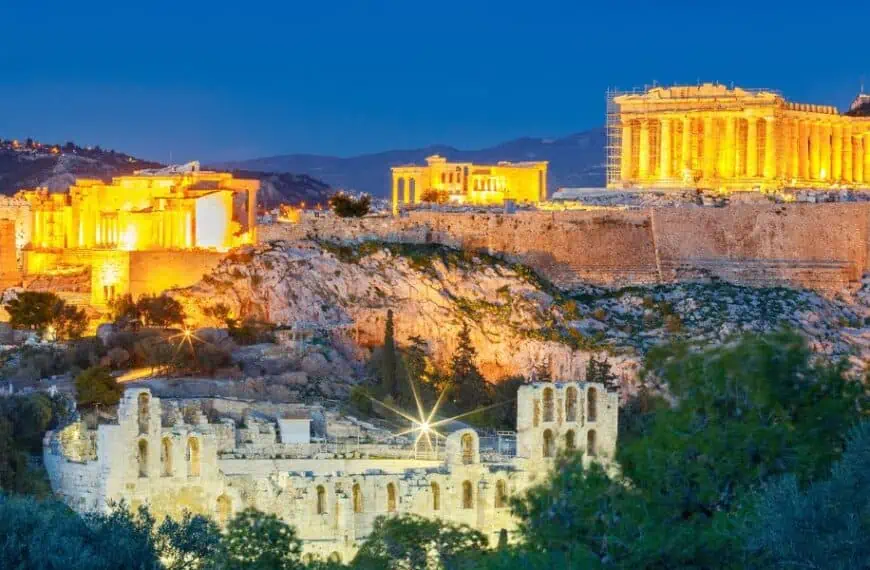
[{"x": 516, "y": 322}]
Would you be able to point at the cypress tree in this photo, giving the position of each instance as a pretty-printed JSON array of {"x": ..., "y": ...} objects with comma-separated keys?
[
  {"x": 469, "y": 388},
  {"x": 388, "y": 362}
]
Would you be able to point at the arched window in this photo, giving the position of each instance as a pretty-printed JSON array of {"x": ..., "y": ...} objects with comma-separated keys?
[
  {"x": 443, "y": 177},
  {"x": 501, "y": 497},
  {"x": 335, "y": 557},
  {"x": 548, "y": 404},
  {"x": 193, "y": 457},
  {"x": 591, "y": 404},
  {"x": 467, "y": 448},
  {"x": 570, "y": 444},
  {"x": 144, "y": 412},
  {"x": 166, "y": 457},
  {"x": 224, "y": 509},
  {"x": 142, "y": 457},
  {"x": 357, "y": 499},
  {"x": 321, "y": 500},
  {"x": 391, "y": 498},
  {"x": 571, "y": 404},
  {"x": 549, "y": 447},
  {"x": 436, "y": 497},
  {"x": 590, "y": 443},
  {"x": 467, "y": 495}
]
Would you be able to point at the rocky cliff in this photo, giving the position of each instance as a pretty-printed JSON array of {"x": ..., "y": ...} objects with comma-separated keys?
[{"x": 518, "y": 321}]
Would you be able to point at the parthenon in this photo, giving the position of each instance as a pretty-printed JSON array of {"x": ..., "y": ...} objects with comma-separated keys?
[{"x": 714, "y": 137}]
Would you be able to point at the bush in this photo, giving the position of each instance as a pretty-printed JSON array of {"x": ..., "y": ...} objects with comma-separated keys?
[
  {"x": 97, "y": 387},
  {"x": 160, "y": 310},
  {"x": 39, "y": 310},
  {"x": 250, "y": 331},
  {"x": 434, "y": 196},
  {"x": 346, "y": 207}
]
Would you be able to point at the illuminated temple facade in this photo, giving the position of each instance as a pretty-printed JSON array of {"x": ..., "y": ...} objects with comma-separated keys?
[
  {"x": 467, "y": 183},
  {"x": 142, "y": 233},
  {"x": 713, "y": 137}
]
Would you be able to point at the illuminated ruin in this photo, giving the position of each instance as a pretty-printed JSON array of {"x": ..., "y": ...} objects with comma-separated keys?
[
  {"x": 143, "y": 233},
  {"x": 712, "y": 137},
  {"x": 467, "y": 183}
]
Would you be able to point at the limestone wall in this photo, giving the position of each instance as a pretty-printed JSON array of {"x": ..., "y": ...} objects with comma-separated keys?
[
  {"x": 820, "y": 246},
  {"x": 156, "y": 271},
  {"x": 154, "y": 456}
]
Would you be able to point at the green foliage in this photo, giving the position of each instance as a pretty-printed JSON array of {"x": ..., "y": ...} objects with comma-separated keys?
[
  {"x": 160, "y": 310},
  {"x": 744, "y": 414},
  {"x": 38, "y": 310},
  {"x": 468, "y": 388},
  {"x": 389, "y": 385},
  {"x": 601, "y": 371},
  {"x": 361, "y": 400},
  {"x": 188, "y": 544},
  {"x": 250, "y": 331},
  {"x": 125, "y": 312},
  {"x": 346, "y": 207},
  {"x": 258, "y": 541},
  {"x": 827, "y": 525},
  {"x": 411, "y": 541},
  {"x": 32, "y": 310},
  {"x": 97, "y": 387}
]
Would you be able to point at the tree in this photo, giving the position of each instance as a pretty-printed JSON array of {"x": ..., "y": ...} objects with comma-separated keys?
[
  {"x": 600, "y": 371},
  {"x": 258, "y": 541},
  {"x": 189, "y": 544},
  {"x": 125, "y": 312},
  {"x": 39, "y": 310},
  {"x": 32, "y": 310},
  {"x": 96, "y": 386},
  {"x": 346, "y": 207},
  {"x": 468, "y": 387},
  {"x": 160, "y": 310},
  {"x": 743, "y": 414},
  {"x": 434, "y": 196},
  {"x": 411, "y": 541},
  {"x": 825, "y": 526},
  {"x": 69, "y": 322},
  {"x": 389, "y": 360}
]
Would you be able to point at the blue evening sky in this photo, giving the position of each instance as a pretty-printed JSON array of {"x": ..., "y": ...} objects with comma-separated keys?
[{"x": 228, "y": 79}]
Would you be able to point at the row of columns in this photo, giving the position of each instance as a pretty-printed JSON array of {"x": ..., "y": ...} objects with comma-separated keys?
[{"x": 809, "y": 150}]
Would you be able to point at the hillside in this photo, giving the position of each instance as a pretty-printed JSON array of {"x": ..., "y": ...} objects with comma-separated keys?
[
  {"x": 56, "y": 167},
  {"x": 575, "y": 161}
]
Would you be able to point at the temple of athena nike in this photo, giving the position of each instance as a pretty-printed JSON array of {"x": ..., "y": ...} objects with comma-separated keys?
[{"x": 714, "y": 137}]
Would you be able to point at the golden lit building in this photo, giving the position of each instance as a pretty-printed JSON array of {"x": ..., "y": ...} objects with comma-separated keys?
[
  {"x": 142, "y": 233},
  {"x": 712, "y": 137},
  {"x": 467, "y": 183}
]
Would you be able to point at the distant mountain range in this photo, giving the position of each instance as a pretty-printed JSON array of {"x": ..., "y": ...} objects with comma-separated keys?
[
  {"x": 32, "y": 164},
  {"x": 575, "y": 161}
]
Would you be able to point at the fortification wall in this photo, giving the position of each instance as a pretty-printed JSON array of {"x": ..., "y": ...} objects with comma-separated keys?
[
  {"x": 819, "y": 246},
  {"x": 153, "y": 272}
]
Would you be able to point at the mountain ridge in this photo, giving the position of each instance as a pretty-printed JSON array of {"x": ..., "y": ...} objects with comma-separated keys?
[{"x": 576, "y": 160}]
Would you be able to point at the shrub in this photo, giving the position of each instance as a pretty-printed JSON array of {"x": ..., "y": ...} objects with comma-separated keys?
[
  {"x": 160, "y": 310},
  {"x": 39, "y": 310},
  {"x": 346, "y": 207},
  {"x": 96, "y": 386}
]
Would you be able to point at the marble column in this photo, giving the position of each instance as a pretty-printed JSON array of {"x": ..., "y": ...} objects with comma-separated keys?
[
  {"x": 709, "y": 141},
  {"x": 686, "y": 156},
  {"x": 665, "y": 147},
  {"x": 825, "y": 165},
  {"x": 739, "y": 150},
  {"x": 815, "y": 150},
  {"x": 769, "y": 149},
  {"x": 626, "y": 151},
  {"x": 752, "y": 148},
  {"x": 866, "y": 156},
  {"x": 395, "y": 195},
  {"x": 858, "y": 159},
  {"x": 794, "y": 149},
  {"x": 847, "y": 153},
  {"x": 643, "y": 151},
  {"x": 730, "y": 149},
  {"x": 837, "y": 153},
  {"x": 803, "y": 149}
]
